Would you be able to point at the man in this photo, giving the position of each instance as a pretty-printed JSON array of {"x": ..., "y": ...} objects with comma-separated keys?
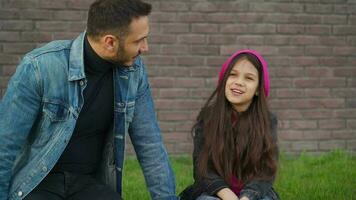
[{"x": 69, "y": 105}]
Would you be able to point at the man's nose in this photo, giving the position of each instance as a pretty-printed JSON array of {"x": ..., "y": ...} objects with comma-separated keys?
[{"x": 144, "y": 46}]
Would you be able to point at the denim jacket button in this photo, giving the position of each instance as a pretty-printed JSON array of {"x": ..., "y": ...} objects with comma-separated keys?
[
  {"x": 20, "y": 194},
  {"x": 119, "y": 169},
  {"x": 81, "y": 83},
  {"x": 44, "y": 169}
]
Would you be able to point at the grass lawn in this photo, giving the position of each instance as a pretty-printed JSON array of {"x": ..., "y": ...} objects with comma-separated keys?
[{"x": 330, "y": 176}]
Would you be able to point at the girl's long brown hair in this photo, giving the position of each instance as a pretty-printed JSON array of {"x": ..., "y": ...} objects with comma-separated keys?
[{"x": 244, "y": 149}]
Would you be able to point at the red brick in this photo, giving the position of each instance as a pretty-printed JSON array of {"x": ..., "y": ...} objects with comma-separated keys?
[
  {"x": 306, "y": 82},
  {"x": 304, "y": 40},
  {"x": 52, "y": 26},
  {"x": 332, "y": 103},
  {"x": 233, "y": 6},
  {"x": 18, "y": 25},
  {"x": 175, "y": 49},
  {"x": 347, "y": 113},
  {"x": 289, "y": 72},
  {"x": 36, "y": 36},
  {"x": 304, "y": 61},
  {"x": 351, "y": 145},
  {"x": 276, "y": 40},
  {"x": 173, "y": 72},
  {"x": 332, "y": 145},
  {"x": 317, "y": 92},
  {"x": 162, "y": 82},
  {"x": 18, "y": 48},
  {"x": 305, "y": 146},
  {"x": 204, "y": 50},
  {"x": 332, "y": 61},
  {"x": 185, "y": 126},
  {"x": 289, "y": 135},
  {"x": 345, "y": 51},
  {"x": 9, "y": 13},
  {"x": 351, "y": 124},
  {"x": 7, "y": 36},
  {"x": 190, "y": 60},
  {"x": 235, "y": 28},
  {"x": 317, "y": 135},
  {"x": 332, "y": 40},
  {"x": 36, "y": 14},
  {"x": 189, "y": 82},
  {"x": 288, "y": 114},
  {"x": 222, "y": 39},
  {"x": 334, "y": 19},
  {"x": 192, "y": 39},
  {"x": 204, "y": 71},
  {"x": 204, "y": 7},
  {"x": 318, "y": 72},
  {"x": 345, "y": 72},
  {"x": 250, "y": 40},
  {"x": 7, "y": 70},
  {"x": 318, "y": 29},
  {"x": 275, "y": 18},
  {"x": 175, "y": 28},
  {"x": 52, "y": 4},
  {"x": 317, "y": 114},
  {"x": 305, "y": 19},
  {"x": 282, "y": 82},
  {"x": 9, "y": 59},
  {"x": 277, "y": 7},
  {"x": 290, "y": 29},
  {"x": 201, "y": 93},
  {"x": 160, "y": 60},
  {"x": 291, "y": 50},
  {"x": 319, "y": 8},
  {"x": 344, "y": 30},
  {"x": 205, "y": 28},
  {"x": 261, "y": 28},
  {"x": 221, "y": 17},
  {"x": 163, "y": 17},
  {"x": 173, "y": 6},
  {"x": 343, "y": 134},
  {"x": 167, "y": 126},
  {"x": 249, "y": 17},
  {"x": 303, "y": 124},
  {"x": 65, "y": 35},
  {"x": 172, "y": 116},
  {"x": 318, "y": 51},
  {"x": 191, "y": 17},
  {"x": 21, "y": 3},
  {"x": 332, "y": 124},
  {"x": 277, "y": 61},
  {"x": 79, "y": 4},
  {"x": 333, "y": 82},
  {"x": 73, "y": 15},
  {"x": 173, "y": 93}
]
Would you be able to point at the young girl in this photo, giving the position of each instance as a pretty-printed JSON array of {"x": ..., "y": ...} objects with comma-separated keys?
[{"x": 235, "y": 151}]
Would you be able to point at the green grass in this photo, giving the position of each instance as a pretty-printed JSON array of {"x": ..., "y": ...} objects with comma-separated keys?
[{"x": 330, "y": 176}]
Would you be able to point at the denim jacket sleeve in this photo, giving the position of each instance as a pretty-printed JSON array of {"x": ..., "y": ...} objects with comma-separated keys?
[
  {"x": 256, "y": 189},
  {"x": 147, "y": 141},
  {"x": 18, "y": 110}
]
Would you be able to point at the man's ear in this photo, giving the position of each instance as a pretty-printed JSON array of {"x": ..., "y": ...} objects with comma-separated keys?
[{"x": 110, "y": 42}]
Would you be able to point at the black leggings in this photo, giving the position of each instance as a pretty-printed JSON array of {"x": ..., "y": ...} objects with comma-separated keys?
[{"x": 68, "y": 186}]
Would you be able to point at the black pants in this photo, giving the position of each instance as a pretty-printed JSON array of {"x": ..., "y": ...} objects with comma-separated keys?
[{"x": 68, "y": 186}]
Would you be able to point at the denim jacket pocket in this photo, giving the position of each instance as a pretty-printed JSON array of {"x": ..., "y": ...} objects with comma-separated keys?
[
  {"x": 49, "y": 123},
  {"x": 55, "y": 111}
]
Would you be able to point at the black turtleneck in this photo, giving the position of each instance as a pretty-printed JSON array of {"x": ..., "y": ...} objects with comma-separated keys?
[{"x": 84, "y": 151}]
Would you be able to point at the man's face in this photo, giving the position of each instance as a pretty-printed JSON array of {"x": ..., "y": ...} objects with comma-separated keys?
[{"x": 134, "y": 43}]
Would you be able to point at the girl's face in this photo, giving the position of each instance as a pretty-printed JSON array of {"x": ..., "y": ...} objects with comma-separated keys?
[{"x": 241, "y": 84}]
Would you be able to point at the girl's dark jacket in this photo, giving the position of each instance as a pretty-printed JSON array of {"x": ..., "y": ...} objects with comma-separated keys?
[{"x": 254, "y": 190}]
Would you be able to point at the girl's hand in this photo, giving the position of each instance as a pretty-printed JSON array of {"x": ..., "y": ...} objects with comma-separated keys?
[
  {"x": 244, "y": 198},
  {"x": 227, "y": 194}
]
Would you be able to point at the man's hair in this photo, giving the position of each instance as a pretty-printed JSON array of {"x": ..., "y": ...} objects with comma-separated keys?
[{"x": 114, "y": 16}]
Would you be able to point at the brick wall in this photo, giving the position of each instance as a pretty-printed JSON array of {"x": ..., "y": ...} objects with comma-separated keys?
[{"x": 310, "y": 46}]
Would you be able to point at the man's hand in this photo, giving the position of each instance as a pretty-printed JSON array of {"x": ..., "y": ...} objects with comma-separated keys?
[
  {"x": 244, "y": 198},
  {"x": 226, "y": 194}
]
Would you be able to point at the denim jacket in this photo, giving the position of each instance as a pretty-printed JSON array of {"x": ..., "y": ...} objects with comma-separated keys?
[{"x": 38, "y": 114}]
